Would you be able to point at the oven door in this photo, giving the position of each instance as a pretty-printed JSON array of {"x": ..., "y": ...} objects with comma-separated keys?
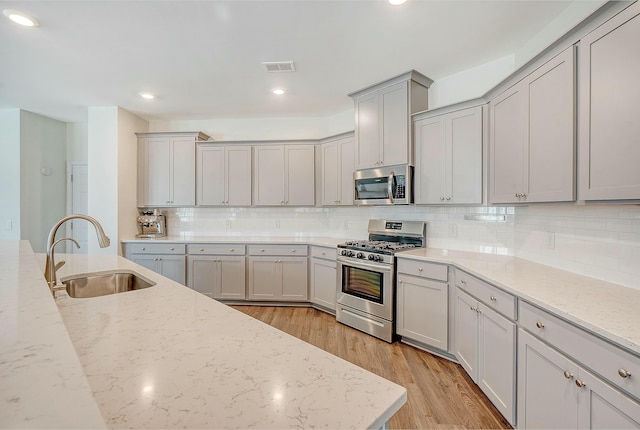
[{"x": 366, "y": 286}]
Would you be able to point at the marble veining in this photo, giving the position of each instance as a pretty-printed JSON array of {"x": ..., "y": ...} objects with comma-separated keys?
[
  {"x": 607, "y": 309},
  {"x": 168, "y": 356}
]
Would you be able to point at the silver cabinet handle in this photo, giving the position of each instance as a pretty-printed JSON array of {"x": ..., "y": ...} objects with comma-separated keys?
[
  {"x": 624, "y": 373},
  {"x": 201, "y": 249},
  {"x": 324, "y": 253},
  {"x": 539, "y": 325},
  {"x": 517, "y": 194},
  {"x": 472, "y": 308},
  {"x": 262, "y": 250},
  {"x": 441, "y": 198},
  {"x": 419, "y": 269},
  {"x": 568, "y": 374},
  {"x": 293, "y": 250},
  {"x": 231, "y": 250},
  {"x": 400, "y": 281},
  {"x": 143, "y": 249},
  {"x": 580, "y": 383},
  {"x": 448, "y": 198},
  {"x": 171, "y": 249},
  {"x": 493, "y": 298},
  {"x": 463, "y": 282}
]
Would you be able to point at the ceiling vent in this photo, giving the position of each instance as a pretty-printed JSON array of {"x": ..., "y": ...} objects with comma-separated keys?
[{"x": 279, "y": 66}]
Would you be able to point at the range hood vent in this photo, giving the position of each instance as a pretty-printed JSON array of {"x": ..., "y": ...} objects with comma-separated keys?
[{"x": 279, "y": 66}]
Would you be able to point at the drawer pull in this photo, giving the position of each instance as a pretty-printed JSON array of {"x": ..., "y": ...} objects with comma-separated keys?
[
  {"x": 624, "y": 373},
  {"x": 539, "y": 325},
  {"x": 172, "y": 249},
  {"x": 143, "y": 249},
  {"x": 201, "y": 249},
  {"x": 568, "y": 374},
  {"x": 262, "y": 250},
  {"x": 493, "y": 298},
  {"x": 419, "y": 269},
  {"x": 231, "y": 250},
  {"x": 293, "y": 250},
  {"x": 580, "y": 384},
  {"x": 463, "y": 282}
]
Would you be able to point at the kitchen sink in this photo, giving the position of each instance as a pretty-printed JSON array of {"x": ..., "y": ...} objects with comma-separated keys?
[{"x": 104, "y": 283}]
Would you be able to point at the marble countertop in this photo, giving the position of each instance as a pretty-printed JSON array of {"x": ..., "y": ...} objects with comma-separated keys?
[
  {"x": 609, "y": 310},
  {"x": 307, "y": 240},
  {"x": 169, "y": 357}
]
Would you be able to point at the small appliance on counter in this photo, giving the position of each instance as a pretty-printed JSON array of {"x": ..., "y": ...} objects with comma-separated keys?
[{"x": 151, "y": 224}]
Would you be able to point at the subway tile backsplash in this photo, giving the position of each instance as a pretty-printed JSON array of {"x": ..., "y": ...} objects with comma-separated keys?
[{"x": 602, "y": 241}]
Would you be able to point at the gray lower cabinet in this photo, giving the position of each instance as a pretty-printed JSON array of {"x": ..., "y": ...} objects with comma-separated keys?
[
  {"x": 323, "y": 278},
  {"x": 218, "y": 271},
  {"x": 554, "y": 391},
  {"x": 169, "y": 259},
  {"x": 278, "y": 273},
  {"x": 422, "y": 303},
  {"x": 485, "y": 341}
]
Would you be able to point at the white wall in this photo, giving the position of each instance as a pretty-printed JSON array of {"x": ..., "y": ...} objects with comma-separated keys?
[
  {"x": 102, "y": 156},
  {"x": 43, "y": 143},
  {"x": 128, "y": 125},
  {"x": 77, "y": 148},
  {"x": 10, "y": 174}
]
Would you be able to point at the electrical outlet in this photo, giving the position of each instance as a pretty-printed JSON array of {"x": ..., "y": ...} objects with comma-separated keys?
[
  {"x": 453, "y": 230},
  {"x": 551, "y": 240}
]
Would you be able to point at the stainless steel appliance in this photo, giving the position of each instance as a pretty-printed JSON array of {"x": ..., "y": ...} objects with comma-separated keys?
[
  {"x": 366, "y": 284},
  {"x": 152, "y": 224},
  {"x": 389, "y": 185}
]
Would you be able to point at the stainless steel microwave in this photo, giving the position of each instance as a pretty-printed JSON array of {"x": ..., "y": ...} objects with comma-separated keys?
[{"x": 389, "y": 185}]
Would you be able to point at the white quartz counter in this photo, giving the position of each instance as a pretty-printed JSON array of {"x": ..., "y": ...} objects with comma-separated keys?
[
  {"x": 307, "y": 240},
  {"x": 42, "y": 384},
  {"x": 169, "y": 357},
  {"x": 610, "y": 310}
]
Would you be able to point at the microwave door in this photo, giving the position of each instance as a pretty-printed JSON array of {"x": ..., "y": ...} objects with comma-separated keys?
[{"x": 372, "y": 189}]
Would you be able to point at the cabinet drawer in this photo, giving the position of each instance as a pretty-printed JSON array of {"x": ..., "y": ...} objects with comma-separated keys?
[
  {"x": 423, "y": 269},
  {"x": 158, "y": 248},
  {"x": 324, "y": 253},
  {"x": 593, "y": 352},
  {"x": 278, "y": 250},
  {"x": 495, "y": 298},
  {"x": 217, "y": 249}
]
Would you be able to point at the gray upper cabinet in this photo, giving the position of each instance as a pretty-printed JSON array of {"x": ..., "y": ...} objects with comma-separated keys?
[
  {"x": 449, "y": 157},
  {"x": 532, "y": 136},
  {"x": 223, "y": 175},
  {"x": 337, "y": 172},
  {"x": 383, "y": 120},
  {"x": 609, "y": 118},
  {"x": 166, "y": 168}
]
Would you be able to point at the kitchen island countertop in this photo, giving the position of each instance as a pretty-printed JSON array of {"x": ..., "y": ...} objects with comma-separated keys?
[{"x": 169, "y": 357}]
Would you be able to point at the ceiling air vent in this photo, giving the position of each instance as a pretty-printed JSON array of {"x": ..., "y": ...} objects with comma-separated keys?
[{"x": 279, "y": 66}]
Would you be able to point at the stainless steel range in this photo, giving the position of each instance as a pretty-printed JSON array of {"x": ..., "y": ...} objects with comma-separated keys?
[{"x": 366, "y": 288}]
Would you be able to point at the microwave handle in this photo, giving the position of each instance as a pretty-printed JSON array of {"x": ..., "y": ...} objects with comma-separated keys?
[{"x": 390, "y": 185}]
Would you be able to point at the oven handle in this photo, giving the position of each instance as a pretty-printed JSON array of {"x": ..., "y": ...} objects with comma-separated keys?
[
  {"x": 390, "y": 185},
  {"x": 365, "y": 266}
]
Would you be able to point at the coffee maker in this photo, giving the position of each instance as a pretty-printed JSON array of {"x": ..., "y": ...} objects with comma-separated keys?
[{"x": 151, "y": 224}]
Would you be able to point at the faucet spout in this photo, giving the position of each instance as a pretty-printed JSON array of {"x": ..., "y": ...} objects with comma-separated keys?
[{"x": 50, "y": 266}]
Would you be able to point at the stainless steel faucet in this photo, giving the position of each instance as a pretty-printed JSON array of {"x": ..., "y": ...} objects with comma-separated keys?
[{"x": 50, "y": 266}]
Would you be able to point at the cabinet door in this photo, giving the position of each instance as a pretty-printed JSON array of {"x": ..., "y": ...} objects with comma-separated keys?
[
  {"x": 395, "y": 123},
  {"x": 183, "y": 171},
  {"x": 238, "y": 175},
  {"x": 173, "y": 267},
  {"x": 496, "y": 361},
  {"x": 551, "y": 139},
  {"x": 347, "y": 166},
  {"x": 158, "y": 168},
  {"x": 265, "y": 278},
  {"x": 430, "y": 160},
  {"x": 294, "y": 284},
  {"x": 466, "y": 333},
  {"x": 547, "y": 398},
  {"x": 463, "y": 160},
  {"x": 330, "y": 174},
  {"x": 203, "y": 274},
  {"x": 508, "y": 122},
  {"x": 323, "y": 283},
  {"x": 609, "y": 110},
  {"x": 269, "y": 175},
  {"x": 422, "y": 310},
  {"x": 211, "y": 175},
  {"x": 300, "y": 175},
  {"x": 602, "y": 407},
  {"x": 148, "y": 261},
  {"x": 367, "y": 131},
  {"x": 231, "y": 285}
]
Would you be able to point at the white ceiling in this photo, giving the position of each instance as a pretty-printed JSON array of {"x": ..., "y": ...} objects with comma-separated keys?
[{"x": 203, "y": 58}]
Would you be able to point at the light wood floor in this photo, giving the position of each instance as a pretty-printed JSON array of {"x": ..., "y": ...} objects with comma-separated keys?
[{"x": 440, "y": 393}]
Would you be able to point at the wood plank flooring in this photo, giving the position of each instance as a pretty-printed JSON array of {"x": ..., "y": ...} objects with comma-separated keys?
[{"x": 439, "y": 393}]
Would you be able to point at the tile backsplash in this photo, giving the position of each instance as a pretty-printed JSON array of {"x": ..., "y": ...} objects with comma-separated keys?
[{"x": 602, "y": 241}]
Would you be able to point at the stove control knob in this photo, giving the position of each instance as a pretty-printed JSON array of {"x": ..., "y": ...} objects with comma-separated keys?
[
  {"x": 351, "y": 254},
  {"x": 378, "y": 258},
  {"x": 371, "y": 257},
  {"x": 360, "y": 255},
  {"x": 344, "y": 252}
]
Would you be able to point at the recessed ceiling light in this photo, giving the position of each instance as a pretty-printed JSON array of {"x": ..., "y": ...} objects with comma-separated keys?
[
  {"x": 20, "y": 18},
  {"x": 278, "y": 91},
  {"x": 397, "y": 2},
  {"x": 147, "y": 96}
]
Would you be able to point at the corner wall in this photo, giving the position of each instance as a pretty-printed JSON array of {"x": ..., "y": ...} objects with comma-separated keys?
[{"x": 10, "y": 174}]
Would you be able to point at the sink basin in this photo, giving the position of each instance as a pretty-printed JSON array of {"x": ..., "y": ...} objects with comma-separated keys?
[{"x": 104, "y": 283}]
